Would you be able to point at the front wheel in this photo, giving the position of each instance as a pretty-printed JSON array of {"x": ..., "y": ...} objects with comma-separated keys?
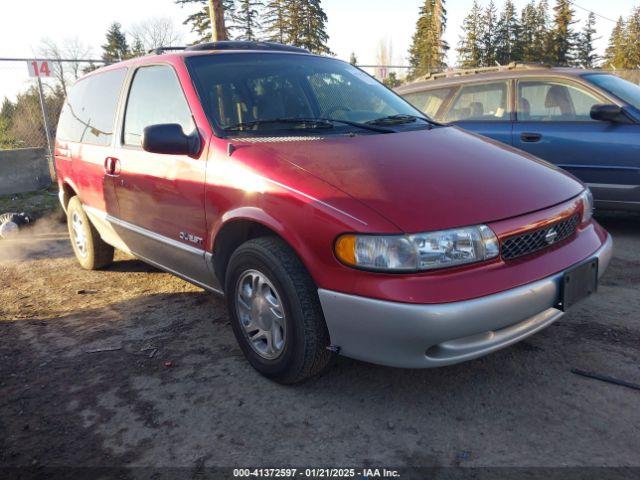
[
  {"x": 91, "y": 251},
  {"x": 275, "y": 311}
]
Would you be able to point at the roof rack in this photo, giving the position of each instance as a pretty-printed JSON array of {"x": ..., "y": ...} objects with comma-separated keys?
[
  {"x": 245, "y": 45},
  {"x": 161, "y": 50},
  {"x": 462, "y": 72}
]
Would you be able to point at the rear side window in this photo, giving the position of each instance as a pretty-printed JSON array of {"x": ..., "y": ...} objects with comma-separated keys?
[
  {"x": 88, "y": 114},
  {"x": 155, "y": 98},
  {"x": 429, "y": 102},
  {"x": 487, "y": 102},
  {"x": 549, "y": 101}
]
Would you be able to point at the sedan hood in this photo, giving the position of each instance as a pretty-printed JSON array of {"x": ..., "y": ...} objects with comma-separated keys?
[{"x": 433, "y": 179}]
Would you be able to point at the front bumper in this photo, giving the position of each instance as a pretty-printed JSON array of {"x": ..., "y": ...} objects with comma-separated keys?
[{"x": 421, "y": 336}]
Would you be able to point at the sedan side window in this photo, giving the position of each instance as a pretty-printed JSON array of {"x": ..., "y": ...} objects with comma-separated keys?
[
  {"x": 552, "y": 101},
  {"x": 429, "y": 102},
  {"x": 155, "y": 97},
  {"x": 481, "y": 103}
]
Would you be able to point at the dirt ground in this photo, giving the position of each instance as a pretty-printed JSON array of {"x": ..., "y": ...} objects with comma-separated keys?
[{"x": 84, "y": 380}]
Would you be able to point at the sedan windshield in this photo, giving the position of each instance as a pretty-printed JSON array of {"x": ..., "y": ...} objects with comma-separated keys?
[
  {"x": 270, "y": 92},
  {"x": 624, "y": 90}
]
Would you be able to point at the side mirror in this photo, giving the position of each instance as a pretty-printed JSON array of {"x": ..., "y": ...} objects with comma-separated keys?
[
  {"x": 609, "y": 113},
  {"x": 170, "y": 139}
]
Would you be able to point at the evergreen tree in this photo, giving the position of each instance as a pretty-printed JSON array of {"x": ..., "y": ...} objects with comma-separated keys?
[
  {"x": 585, "y": 50},
  {"x": 614, "y": 55},
  {"x": 632, "y": 40},
  {"x": 543, "y": 38},
  {"x": 308, "y": 26},
  {"x": 531, "y": 51},
  {"x": 200, "y": 21},
  {"x": 245, "y": 20},
  {"x": 428, "y": 49},
  {"x": 116, "y": 48},
  {"x": 488, "y": 35},
  {"x": 276, "y": 21},
  {"x": 392, "y": 81},
  {"x": 469, "y": 47},
  {"x": 137, "y": 50},
  {"x": 508, "y": 46},
  {"x": 564, "y": 39}
]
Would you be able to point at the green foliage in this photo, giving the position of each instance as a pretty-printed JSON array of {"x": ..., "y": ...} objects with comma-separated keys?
[
  {"x": 508, "y": 43},
  {"x": 469, "y": 47},
  {"x": 585, "y": 49},
  {"x": 392, "y": 81},
  {"x": 428, "y": 49},
  {"x": 307, "y": 26},
  {"x": 116, "y": 48},
  {"x": 488, "y": 35},
  {"x": 276, "y": 22},
  {"x": 245, "y": 20},
  {"x": 302, "y": 23},
  {"x": 562, "y": 35},
  {"x": 200, "y": 21}
]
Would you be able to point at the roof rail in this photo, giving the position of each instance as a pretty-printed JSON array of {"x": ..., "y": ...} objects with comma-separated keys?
[
  {"x": 461, "y": 72},
  {"x": 161, "y": 50},
  {"x": 245, "y": 45}
]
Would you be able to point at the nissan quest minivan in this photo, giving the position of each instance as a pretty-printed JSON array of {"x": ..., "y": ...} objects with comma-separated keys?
[{"x": 334, "y": 216}]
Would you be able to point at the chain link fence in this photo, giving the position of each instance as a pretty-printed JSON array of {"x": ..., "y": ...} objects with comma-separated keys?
[{"x": 32, "y": 93}]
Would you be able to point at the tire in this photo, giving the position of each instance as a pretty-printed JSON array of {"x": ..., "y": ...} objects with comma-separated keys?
[
  {"x": 299, "y": 344},
  {"x": 91, "y": 251}
]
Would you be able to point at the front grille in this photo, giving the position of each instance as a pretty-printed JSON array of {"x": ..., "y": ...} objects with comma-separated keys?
[{"x": 536, "y": 240}]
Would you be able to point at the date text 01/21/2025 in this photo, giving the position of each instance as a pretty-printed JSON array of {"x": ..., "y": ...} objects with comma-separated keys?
[{"x": 316, "y": 473}]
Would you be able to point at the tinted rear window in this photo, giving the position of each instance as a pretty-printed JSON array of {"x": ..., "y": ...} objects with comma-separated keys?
[{"x": 88, "y": 115}]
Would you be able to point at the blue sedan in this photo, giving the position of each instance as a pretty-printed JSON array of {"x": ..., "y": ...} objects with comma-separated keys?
[{"x": 587, "y": 122}]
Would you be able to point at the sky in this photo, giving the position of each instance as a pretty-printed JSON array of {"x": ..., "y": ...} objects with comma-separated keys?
[{"x": 353, "y": 25}]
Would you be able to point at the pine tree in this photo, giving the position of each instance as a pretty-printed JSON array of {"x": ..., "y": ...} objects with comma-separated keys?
[
  {"x": 200, "y": 21},
  {"x": 245, "y": 20},
  {"x": 276, "y": 21},
  {"x": 308, "y": 26},
  {"x": 632, "y": 40},
  {"x": 615, "y": 53},
  {"x": 137, "y": 49},
  {"x": 428, "y": 49},
  {"x": 469, "y": 48},
  {"x": 585, "y": 49},
  {"x": 530, "y": 50},
  {"x": 508, "y": 43},
  {"x": 488, "y": 35},
  {"x": 564, "y": 39},
  {"x": 116, "y": 48},
  {"x": 543, "y": 37}
]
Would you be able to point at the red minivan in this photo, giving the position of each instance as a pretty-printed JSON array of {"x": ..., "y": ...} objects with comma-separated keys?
[{"x": 334, "y": 216}]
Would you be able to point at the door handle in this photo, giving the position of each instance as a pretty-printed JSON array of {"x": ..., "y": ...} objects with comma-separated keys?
[
  {"x": 530, "y": 137},
  {"x": 112, "y": 166}
]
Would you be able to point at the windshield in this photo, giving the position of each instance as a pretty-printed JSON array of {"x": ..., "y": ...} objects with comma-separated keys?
[
  {"x": 624, "y": 90},
  {"x": 250, "y": 92}
]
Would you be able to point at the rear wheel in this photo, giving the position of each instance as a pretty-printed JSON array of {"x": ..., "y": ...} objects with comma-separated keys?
[
  {"x": 91, "y": 251},
  {"x": 275, "y": 311}
]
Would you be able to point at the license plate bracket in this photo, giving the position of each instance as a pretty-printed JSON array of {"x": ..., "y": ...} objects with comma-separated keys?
[{"x": 578, "y": 283}]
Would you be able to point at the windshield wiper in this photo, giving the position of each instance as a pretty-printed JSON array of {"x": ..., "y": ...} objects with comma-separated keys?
[
  {"x": 364, "y": 126},
  {"x": 304, "y": 122},
  {"x": 399, "y": 119}
]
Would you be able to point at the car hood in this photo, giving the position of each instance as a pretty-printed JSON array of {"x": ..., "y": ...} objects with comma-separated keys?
[{"x": 433, "y": 179}]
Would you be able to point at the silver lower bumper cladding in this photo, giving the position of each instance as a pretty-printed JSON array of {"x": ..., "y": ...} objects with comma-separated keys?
[{"x": 422, "y": 336}]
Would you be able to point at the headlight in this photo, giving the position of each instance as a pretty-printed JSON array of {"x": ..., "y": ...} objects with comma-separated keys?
[
  {"x": 587, "y": 205},
  {"x": 419, "y": 252}
]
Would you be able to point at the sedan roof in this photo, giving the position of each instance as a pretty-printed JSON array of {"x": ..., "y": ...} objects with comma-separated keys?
[{"x": 460, "y": 78}]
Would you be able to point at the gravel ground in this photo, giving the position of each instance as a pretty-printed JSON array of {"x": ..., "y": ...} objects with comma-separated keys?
[{"x": 133, "y": 367}]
